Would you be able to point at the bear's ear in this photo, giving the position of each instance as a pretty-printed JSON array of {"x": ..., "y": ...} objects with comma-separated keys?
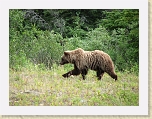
[{"x": 66, "y": 53}]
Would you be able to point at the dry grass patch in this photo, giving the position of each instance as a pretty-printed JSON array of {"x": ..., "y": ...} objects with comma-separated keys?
[{"x": 49, "y": 88}]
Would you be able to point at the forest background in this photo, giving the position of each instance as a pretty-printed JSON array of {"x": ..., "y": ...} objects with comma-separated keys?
[{"x": 41, "y": 36}]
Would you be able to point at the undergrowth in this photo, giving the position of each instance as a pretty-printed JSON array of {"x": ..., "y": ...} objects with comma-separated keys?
[{"x": 41, "y": 87}]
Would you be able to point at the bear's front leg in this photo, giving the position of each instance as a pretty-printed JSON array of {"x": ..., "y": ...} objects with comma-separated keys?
[
  {"x": 73, "y": 72},
  {"x": 66, "y": 75}
]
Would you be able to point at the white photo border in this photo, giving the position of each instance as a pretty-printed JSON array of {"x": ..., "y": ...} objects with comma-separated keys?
[{"x": 142, "y": 109}]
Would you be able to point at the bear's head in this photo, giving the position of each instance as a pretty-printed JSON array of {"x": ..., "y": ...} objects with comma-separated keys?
[
  {"x": 65, "y": 58},
  {"x": 72, "y": 56}
]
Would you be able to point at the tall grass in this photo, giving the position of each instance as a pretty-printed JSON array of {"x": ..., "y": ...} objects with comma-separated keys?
[{"x": 37, "y": 86}]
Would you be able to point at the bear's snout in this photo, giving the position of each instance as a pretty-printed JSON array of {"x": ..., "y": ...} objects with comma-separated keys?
[{"x": 63, "y": 61}]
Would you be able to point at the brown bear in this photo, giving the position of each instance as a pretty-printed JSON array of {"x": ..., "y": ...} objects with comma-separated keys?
[{"x": 97, "y": 60}]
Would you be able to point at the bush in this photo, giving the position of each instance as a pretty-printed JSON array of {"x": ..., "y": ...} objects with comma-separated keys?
[{"x": 28, "y": 43}]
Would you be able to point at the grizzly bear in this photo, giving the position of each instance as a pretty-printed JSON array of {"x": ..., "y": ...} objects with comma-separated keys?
[{"x": 97, "y": 60}]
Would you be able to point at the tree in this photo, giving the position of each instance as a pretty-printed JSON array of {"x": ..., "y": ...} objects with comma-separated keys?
[{"x": 123, "y": 26}]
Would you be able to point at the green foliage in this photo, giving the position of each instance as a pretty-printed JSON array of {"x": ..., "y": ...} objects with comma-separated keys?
[
  {"x": 98, "y": 39},
  {"x": 44, "y": 48},
  {"x": 29, "y": 44},
  {"x": 41, "y": 36},
  {"x": 124, "y": 32},
  {"x": 16, "y": 53}
]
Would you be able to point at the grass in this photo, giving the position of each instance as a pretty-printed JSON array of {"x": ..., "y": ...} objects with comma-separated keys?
[{"x": 48, "y": 88}]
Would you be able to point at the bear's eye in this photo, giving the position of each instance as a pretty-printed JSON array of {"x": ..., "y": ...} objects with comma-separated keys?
[{"x": 62, "y": 59}]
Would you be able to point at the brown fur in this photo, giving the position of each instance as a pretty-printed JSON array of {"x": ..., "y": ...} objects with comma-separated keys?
[{"x": 84, "y": 60}]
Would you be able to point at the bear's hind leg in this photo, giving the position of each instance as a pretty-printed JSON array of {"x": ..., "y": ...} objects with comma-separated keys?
[
  {"x": 100, "y": 74},
  {"x": 83, "y": 73},
  {"x": 113, "y": 75}
]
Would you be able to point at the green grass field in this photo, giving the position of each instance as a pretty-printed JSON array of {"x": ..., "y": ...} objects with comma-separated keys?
[{"x": 49, "y": 88}]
